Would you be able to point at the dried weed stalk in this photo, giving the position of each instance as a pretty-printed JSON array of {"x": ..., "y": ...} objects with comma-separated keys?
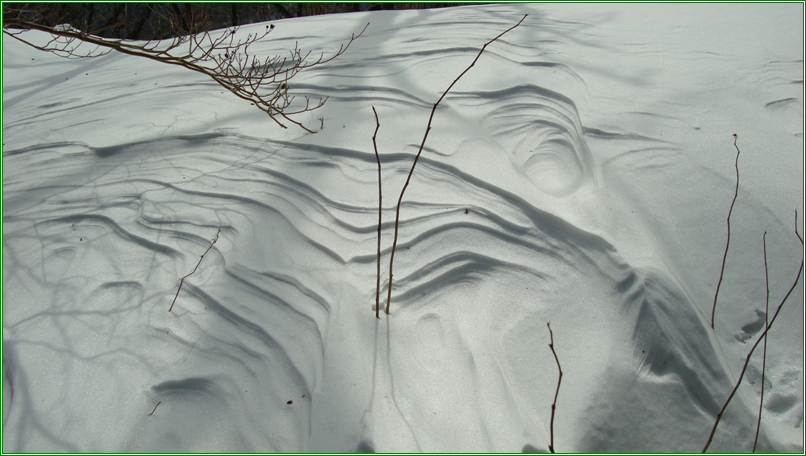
[
  {"x": 766, "y": 323},
  {"x": 727, "y": 243},
  {"x": 557, "y": 392},
  {"x": 194, "y": 269},
  {"x": 417, "y": 157},
  {"x": 758, "y": 341}
]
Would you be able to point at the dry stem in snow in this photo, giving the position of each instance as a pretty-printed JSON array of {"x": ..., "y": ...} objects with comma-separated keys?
[
  {"x": 762, "y": 337},
  {"x": 557, "y": 392},
  {"x": 194, "y": 269},
  {"x": 727, "y": 244},
  {"x": 417, "y": 157}
]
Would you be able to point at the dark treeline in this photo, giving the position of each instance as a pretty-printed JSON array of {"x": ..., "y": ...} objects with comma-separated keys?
[{"x": 146, "y": 21}]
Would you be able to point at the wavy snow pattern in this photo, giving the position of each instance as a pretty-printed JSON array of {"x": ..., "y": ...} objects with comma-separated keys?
[
  {"x": 262, "y": 304},
  {"x": 272, "y": 345}
]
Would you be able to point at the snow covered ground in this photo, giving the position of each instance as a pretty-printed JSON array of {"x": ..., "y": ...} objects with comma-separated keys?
[{"x": 579, "y": 174}]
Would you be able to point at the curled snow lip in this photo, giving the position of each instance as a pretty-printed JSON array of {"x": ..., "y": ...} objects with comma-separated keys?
[{"x": 541, "y": 131}]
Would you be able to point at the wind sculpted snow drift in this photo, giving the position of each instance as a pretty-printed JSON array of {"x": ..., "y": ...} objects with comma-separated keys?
[{"x": 555, "y": 186}]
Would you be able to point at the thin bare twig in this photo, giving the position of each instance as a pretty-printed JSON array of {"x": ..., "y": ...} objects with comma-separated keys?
[
  {"x": 727, "y": 244},
  {"x": 417, "y": 157},
  {"x": 557, "y": 392},
  {"x": 194, "y": 269},
  {"x": 380, "y": 212},
  {"x": 763, "y": 336},
  {"x": 764, "y": 356},
  {"x": 155, "y": 408}
]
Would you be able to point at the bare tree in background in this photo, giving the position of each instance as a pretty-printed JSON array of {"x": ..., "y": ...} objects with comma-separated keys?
[{"x": 179, "y": 35}]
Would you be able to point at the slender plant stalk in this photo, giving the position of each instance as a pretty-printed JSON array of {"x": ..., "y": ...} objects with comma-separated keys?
[
  {"x": 417, "y": 157},
  {"x": 763, "y": 336},
  {"x": 194, "y": 269},
  {"x": 380, "y": 212},
  {"x": 727, "y": 244},
  {"x": 766, "y": 323},
  {"x": 557, "y": 392},
  {"x": 155, "y": 408}
]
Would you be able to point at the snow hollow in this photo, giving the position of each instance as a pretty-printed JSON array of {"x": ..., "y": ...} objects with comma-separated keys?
[{"x": 579, "y": 174}]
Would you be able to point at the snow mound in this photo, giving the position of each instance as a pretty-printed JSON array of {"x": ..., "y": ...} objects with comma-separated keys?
[{"x": 573, "y": 177}]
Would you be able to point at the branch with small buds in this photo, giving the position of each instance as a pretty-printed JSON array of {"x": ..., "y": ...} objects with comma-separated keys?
[{"x": 222, "y": 57}]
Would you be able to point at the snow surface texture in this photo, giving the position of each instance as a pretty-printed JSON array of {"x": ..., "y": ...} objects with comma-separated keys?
[{"x": 580, "y": 174}]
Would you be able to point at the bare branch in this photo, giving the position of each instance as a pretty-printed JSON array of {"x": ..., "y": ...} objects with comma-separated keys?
[
  {"x": 417, "y": 157},
  {"x": 264, "y": 82}
]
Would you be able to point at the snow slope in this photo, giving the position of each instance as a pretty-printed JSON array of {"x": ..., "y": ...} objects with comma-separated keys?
[{"x": 579, "y": 174}]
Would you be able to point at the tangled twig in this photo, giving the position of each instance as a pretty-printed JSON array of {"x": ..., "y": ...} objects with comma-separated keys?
[{"x": 226, "y": 59}]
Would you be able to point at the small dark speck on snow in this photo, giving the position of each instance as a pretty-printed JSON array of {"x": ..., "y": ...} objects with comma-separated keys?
[{"x": 290, "y": 402}]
